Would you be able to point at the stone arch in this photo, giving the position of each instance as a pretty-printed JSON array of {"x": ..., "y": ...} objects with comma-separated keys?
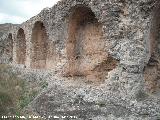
[
  {"x": 9, "y": 48},
  {"x": 85, "y": 46},
  {"x": 21, "y": 47},
  {"x": 39, "y": 46},
  {"x": 152, "y": 69}
]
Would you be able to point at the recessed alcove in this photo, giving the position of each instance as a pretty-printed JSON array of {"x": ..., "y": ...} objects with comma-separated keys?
[
  {"x": 152, "y": 69},
  {"x": 9, "y": 48},
  {"x": 20, "y": 47},
  {"x": 39, "y": 46},
  {"x": 85, "y": 46}
]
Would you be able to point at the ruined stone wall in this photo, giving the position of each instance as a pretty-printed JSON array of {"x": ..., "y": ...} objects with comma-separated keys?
[
  {"x": 6, "y": 48},
  {"x": 120, "y": 30},
  {"x": 7, "y": 43},
  {"x": 125, "y": 27}
]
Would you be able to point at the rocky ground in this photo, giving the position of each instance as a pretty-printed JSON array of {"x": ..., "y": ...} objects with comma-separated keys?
[{"x": 75, "y": 98}]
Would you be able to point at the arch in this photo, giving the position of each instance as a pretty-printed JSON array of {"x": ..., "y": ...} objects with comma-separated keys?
[
  {"x": 86, "y": 53},
  {"x": 152, "y": 69},
  {"x": 39, "y": 46},
  {"x": 9, "y": 49},
  {"x": 154, "y": 28},
  {"x": 21, "y": 47}
]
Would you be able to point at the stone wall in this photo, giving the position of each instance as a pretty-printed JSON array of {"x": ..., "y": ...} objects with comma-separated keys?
[{"x": 96, "y": 39}]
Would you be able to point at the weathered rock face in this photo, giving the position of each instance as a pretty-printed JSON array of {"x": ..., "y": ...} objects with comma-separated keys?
[{"x": 114, "y": 41}]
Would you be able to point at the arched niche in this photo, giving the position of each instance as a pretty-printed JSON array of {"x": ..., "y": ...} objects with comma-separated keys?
[
  {"x": 21, "y": 47},
  {"x": 85, "y": 46},
  {"x": 39, "y": 46},
  {"x": 152, "y": 69},
  {"x": 9, "y": 47}
]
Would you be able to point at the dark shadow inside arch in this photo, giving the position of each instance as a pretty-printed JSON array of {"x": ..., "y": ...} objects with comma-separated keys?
[
  {"x": 85, "y": 46},
  {"x": 39, "y": 46},
  {"x": 152, "y": 70},
  {"x": 21, "y": 47}
]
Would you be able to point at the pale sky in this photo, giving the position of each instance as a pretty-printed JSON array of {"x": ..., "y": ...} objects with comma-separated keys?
[{"x": 18, "y": 11}]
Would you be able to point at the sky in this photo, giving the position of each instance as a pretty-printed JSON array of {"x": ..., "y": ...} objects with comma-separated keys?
[{"x": 18, "y": 11}]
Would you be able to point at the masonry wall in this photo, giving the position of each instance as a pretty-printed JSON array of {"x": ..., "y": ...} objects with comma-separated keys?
[
  {"x": 125, "y": 26},
  {"x": 6, "y": 48}
]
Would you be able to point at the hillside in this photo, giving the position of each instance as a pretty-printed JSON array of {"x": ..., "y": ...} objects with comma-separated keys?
[{"x": 5, "y": 27}]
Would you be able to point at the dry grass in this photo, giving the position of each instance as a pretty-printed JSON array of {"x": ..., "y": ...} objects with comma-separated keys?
[
  {"x": 10, "y": 87},
  {"x": 16, "y": 93}
]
